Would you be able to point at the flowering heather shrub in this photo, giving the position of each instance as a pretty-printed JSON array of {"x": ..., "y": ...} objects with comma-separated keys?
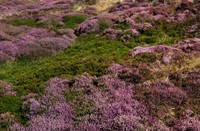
[
  {"x": 54, "y": 90},
  {"x": 39, "y": 33},
  {"x": 57, "y": 117},
  {"x": 158, "y": 97},
  {"x": 188, "y": 122},
  {"x": 113, "y": 107},
  {"x": 4, "y": 36},
  {"x": 67, "y": 33},
  {"x": 8, "y": 51},
  {"x": 128, "y": 34},
  {"x": 50, "y": 111},
  {"x": 9, "y": 48},
  {"x": 52, "y": 4},
  {"x": 30, "y": 104},
  {"x": 154, "y": 49},
  {"x": 10, "y": 6},
  {"x": 124, "y": 5},
  {"x": 189, "y": 45},
  {"x": 88, "y": 127},
  {"x": 167, "y": 93},
  {"x": 54, "y": 44},
  {"x": 111, "y": 33},
  {"x": 40, "y": 42},
  {"x": 126, "y": 74},
  {"x": 6, "y": 119},
  {"x": 4, "y": 57},
  {"x": 114, "y": 69},
  {"x": 84, "y": 80},
  {"x": 88, "y": 26},
  {"x": 6, "y": 89},
  {"x": 191, "y": 80}
]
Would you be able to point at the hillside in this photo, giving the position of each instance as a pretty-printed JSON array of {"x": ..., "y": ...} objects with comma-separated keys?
[{"x": 99, "y": 65}]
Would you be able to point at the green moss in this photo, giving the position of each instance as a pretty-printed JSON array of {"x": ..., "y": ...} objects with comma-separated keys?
[
  {"x": 23, "y": 22},
  {"x": 72, "y": 21},
  {"x": 103, "y": 25},
  {"x": 122, "y": 26},
  {"x": 147, "y": 57},
  {"x": 9, "y": 104},
  {"x": 75, "y": 99},
  {"x": 161, "y": 33}
]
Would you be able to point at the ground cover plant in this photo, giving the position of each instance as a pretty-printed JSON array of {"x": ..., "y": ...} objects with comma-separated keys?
[{"x": 63, "y": 69}]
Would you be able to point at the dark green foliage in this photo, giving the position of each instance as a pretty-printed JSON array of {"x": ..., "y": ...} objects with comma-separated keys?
[
  {"x": 75, "y": 99},
  {"x": 122, "y": 26},
  {"x": 103, "y": 25},
  {"x": 162, "y": 33},
  {"x": 147, "y": 57},
  {"x": 23, "y": 22},
  {"x": 72, "y": 21},
  {"x": 9, "y": 104}
]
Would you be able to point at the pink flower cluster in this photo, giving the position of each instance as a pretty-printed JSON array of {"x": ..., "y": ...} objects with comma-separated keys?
[
  {"x": 33, "y": 43},
  {"x": 50, "y": 111}
]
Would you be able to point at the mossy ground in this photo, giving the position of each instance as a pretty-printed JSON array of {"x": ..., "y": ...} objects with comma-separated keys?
[{"x": 70, "y": 21}]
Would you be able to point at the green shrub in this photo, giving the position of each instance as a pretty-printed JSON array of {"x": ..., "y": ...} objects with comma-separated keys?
[
  {"x": 72, "y": 21},
  {"x": 23, "y": 22},
  {"x": 103, "y": 25},
  {"x": 122, "y": 26}
]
